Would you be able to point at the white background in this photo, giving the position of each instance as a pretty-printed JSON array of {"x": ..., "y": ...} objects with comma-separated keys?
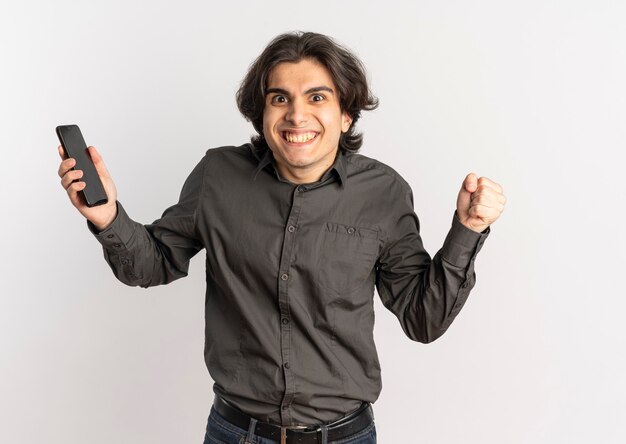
[{"x": 530, "y": 94}]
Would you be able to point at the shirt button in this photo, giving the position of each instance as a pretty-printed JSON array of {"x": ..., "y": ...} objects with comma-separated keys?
[
  {"x": 110, "y": 236},
  {"x": 117, "y": 245},
  {"x": 285, "y": 407},
  {"x": 286, "y": 365},
  {"x": 284, "y": 277},
  {"x": 291, "y": 228},
  {"x": 124, "y": 261},
  {"x": 301, "y": 188},
  {"x": 351, "y": 230},
  {"x": 285, "y": 321}
]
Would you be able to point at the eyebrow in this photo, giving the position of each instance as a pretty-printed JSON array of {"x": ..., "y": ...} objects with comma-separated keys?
[{"x": 308, "y": 91}]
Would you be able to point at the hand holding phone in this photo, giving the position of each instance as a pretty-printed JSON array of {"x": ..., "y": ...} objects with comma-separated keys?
[{"x": 85, "y": 178}]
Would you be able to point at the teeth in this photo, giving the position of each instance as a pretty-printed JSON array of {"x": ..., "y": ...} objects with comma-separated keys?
[{"x": 299, "y": 138}]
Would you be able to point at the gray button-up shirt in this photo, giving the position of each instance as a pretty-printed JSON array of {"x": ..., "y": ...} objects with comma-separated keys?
[{"x": 290, "y": 273}]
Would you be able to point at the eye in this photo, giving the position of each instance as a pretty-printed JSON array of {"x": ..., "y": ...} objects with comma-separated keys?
[
  {"x": 317, "y": 97},
  {"x": 279, "y": 99}
]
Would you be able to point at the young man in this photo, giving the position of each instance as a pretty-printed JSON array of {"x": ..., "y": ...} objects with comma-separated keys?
[{"x": 298, "y": 229}]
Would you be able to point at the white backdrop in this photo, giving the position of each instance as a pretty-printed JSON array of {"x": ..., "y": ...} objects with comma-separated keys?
[{"x": 530, "y": 94}]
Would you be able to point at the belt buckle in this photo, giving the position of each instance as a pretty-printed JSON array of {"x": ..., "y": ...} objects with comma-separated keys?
[{"x": 283, "y": 432}]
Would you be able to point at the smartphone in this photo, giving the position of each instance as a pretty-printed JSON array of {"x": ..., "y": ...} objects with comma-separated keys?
[{"x": 74, "y": 146}]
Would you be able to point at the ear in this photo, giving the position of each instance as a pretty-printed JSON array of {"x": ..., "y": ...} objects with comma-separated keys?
[{"x": 346, "y": 121}]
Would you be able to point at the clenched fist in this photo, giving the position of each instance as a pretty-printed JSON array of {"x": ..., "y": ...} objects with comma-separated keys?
[{"x": 480, "y": 202}]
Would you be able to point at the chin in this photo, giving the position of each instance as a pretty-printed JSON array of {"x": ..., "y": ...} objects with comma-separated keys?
[{"x": 298, "y": 161}]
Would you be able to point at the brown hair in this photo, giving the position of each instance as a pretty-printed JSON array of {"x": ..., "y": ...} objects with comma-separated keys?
[{"x": 345, "y": 68}]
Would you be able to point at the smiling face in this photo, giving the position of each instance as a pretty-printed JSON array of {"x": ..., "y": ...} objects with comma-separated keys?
[{"x": 302, "y": 119}]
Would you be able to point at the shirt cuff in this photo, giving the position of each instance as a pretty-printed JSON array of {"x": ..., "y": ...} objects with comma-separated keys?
[
  {"x": 118, "y": 234},
  {"x": 462, "y": 244}
]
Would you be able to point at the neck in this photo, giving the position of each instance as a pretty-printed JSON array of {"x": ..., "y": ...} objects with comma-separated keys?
[{"x": 302, "y": 175}]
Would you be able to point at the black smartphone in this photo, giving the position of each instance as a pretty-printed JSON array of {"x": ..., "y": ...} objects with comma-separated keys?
[{"x": 74, "y": 145}]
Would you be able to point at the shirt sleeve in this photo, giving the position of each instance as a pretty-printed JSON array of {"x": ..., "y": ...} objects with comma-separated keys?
[
  {"x": 426, "y": 294},
  {"x": 156, "y": 253}
]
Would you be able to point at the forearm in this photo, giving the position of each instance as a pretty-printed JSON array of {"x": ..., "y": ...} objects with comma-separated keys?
[
  {"x": 427, "y": 298},
  {"x": 137, "y": 254}
]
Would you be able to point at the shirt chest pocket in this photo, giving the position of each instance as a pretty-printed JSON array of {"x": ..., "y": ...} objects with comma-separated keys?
[{"x": 347, "y": 256}]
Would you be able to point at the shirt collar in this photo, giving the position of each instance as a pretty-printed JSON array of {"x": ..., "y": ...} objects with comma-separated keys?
[
  {"x": 339, "y": 166},
  {"x": 265, "y": 158}
]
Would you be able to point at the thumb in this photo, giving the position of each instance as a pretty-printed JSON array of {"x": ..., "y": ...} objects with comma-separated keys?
[
  {"x": 470, "y": 184},
  {"x": 98, "y": 162}
]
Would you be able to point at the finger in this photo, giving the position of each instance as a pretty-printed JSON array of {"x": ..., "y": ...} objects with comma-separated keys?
[
  {"x": 487, "y": 189},
  {"x": 70, "y": 177},
  {"x": 61, "y": 152},
  {"x": 483, "y": 212},
  {"x": 482, "y": 199},
  {"x": 490, "y": 183},
  {"x": 494, "y": 207},
  {"x": 73, "y": 190},
  {"x": 486, "y": 194},
  {"x": 66, "y": 166},
  {"x": 98, "y": 162}
]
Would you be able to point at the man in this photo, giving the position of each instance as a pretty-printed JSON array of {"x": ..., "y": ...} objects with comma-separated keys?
[{"x": 298, "y": 230}]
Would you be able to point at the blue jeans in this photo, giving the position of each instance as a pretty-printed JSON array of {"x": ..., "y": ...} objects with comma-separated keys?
[{"x": 220, "y": 431}]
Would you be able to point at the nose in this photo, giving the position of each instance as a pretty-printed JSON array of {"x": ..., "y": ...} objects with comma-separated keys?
[{"x": 297, "y": 113}]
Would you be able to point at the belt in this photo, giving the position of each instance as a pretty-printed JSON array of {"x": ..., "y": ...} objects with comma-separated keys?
[{"x": 341, "y": 428}]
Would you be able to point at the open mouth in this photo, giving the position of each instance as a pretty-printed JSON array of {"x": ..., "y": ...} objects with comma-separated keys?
[{"x": 299, "y": 138}]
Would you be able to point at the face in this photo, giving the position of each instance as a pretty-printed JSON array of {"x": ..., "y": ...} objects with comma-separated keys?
[{"x": 302, "y": 119}]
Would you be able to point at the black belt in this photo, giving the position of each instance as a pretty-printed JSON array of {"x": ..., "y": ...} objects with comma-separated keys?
[{"x": 342, "y": 428}]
